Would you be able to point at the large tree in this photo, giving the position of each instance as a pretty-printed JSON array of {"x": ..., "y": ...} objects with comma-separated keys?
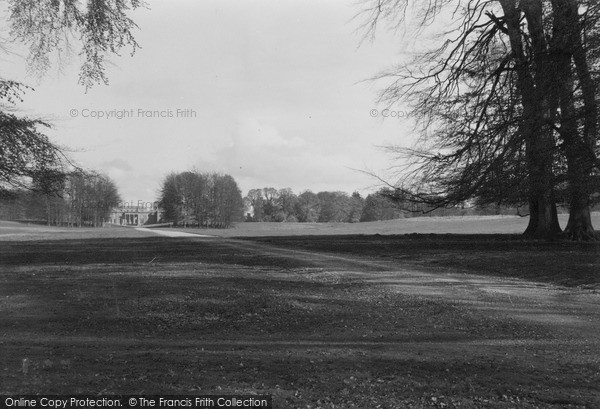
[{"x": 506, "y": 103}]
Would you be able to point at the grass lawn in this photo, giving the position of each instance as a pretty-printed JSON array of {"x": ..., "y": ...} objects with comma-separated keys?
[
  {"x": 420, "y": 225},
  {"x": 321, "y": 321}
]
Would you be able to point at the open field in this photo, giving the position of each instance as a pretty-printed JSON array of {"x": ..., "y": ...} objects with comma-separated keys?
[
  {"x": 330, "y": 321},
  {"x": 13, "y": 231},
  {"x": 422, "y": 225}
]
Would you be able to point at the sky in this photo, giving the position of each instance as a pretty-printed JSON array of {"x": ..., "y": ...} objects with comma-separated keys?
[{"x": 273, "y": 92}]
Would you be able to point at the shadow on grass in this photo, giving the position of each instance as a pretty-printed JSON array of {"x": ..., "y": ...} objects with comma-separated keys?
[
  {"x": 564, "y": 263},
  {"x": 502, "y": 255},
  {"x": 131, "y": 251}
]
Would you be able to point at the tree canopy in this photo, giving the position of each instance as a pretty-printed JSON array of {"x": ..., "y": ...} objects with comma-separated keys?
[
  {"x": 201, "y": 199},
  {"x": 29, "y": 158},
  {"x": 82, "y": 199},
  {"x": 56, "y": 29}
]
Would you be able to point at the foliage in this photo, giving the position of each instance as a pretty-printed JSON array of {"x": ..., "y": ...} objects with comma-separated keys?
[
  {"x": 272, "y": 205},
  {"x": 335, "y": 207},
  {"x": 28, "y": 156},
  {"x": 83, "y": 199},
  {"x": 98, "y": 27},
  {"x": 379, "y": 206},
  {"x": 308, "y": 207},
  {"x": 201, "y": 199}
]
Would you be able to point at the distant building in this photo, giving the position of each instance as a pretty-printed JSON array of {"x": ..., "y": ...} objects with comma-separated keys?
[{"x": 135, "y": 214}]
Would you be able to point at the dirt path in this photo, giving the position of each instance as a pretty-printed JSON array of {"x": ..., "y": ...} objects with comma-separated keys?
[
  {"x": 169, "y": 233},
  {"x": 573, "y": 312}
]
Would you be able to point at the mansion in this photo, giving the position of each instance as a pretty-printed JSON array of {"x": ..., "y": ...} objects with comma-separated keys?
[{"x": 135, "y": 214}]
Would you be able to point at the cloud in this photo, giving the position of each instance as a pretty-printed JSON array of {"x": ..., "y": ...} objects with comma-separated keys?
[
  {"x": 275, "y": 85},
  {"x": 253, "y": 133},
  {"x": 117, "y": 164},
  {"x": 259, "y": 154}
]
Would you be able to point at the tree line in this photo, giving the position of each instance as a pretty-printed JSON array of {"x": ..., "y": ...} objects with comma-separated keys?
[
  {"x": 283, "y": 205},
  {"x": 195, "y": 199},
  {"x": 81, "y": 199}
]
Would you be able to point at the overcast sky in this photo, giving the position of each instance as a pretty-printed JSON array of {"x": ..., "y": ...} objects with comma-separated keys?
[{"x": 274, "y": 94}]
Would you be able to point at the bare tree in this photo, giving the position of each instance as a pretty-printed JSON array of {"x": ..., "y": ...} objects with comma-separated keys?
[{"x": 506, "y": 103}]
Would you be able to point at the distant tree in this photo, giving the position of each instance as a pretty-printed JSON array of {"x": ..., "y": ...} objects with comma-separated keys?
[
  {"x": 335, "y": 206},
  {"x": 256, "y": 202},
  {"x": 88, "y": 199},
  {"x": 178, "y": 199},
  {"x": 270, "y": 206},
  {"x": 198, "y": 197},
  {"x": 226, "y": 201},
  {"x": 308, "y": 207},
  {"x": 170, "y": 200},
  {"x": 81, "y": 199},
  {"x": 201, "y": 199},
  {"x": 191, "y": 194},
  {"x": 11, "y": 206},
  {"x": 105, "y": 196},
  {"x": 356, "y": 207},
  {"x": 22, "y": 205},
  {"x": 372, "y": 209},
  {"x": 379, "y": 206},
  {"x": 286, "y": 205}
]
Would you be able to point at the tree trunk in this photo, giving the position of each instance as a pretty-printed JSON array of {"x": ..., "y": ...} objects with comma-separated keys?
[
  {"x": 536, "y": 134},
  {"x": 578, "y": 145},
  {"x": 580, "y": 226},
  {"x": 543, "y": 220}
]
